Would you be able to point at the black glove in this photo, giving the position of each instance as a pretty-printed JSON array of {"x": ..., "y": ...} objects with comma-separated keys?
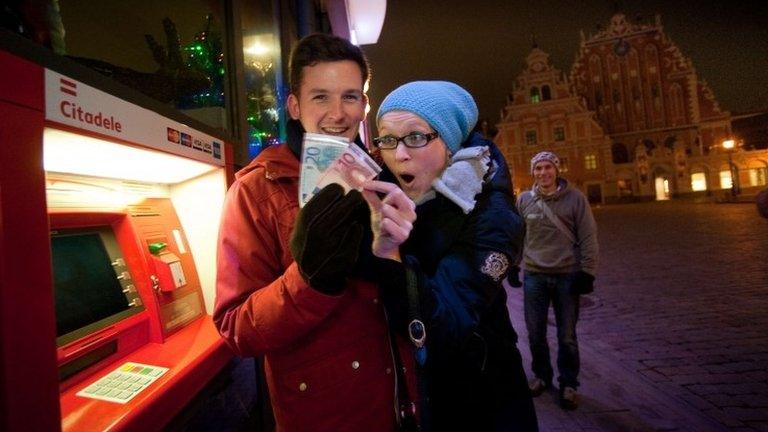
[
  {"x": 583, "y": 283},
  {"x": 326, "y": 238},
  {"x": 513, "y": 277},
  {"x": 365, "y": 268}
]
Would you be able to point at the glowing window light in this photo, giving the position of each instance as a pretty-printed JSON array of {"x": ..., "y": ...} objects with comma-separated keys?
[
  {"x": 698, "y": 182},
  {"x": 725, "y": 180}
]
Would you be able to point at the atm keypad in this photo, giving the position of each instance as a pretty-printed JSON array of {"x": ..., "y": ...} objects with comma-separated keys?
[{"x": 124, "y": 383}]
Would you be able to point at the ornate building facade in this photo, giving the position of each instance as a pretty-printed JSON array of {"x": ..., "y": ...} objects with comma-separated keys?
[{"x": 632, "y": 121}]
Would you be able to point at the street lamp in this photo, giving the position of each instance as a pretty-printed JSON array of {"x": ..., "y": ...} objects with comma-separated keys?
[{"x": 730, "y": 145}]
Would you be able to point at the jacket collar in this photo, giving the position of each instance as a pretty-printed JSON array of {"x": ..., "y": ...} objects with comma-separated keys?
[{"x": 279, "y": 161}]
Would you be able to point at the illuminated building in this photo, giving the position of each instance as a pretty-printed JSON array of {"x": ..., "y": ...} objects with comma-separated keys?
[{"x": 634, "y": 121}]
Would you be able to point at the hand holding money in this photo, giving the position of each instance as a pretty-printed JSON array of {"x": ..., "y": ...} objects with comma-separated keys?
[
  {"x": 392, "y": 217},
  {"x": 351, "y": 169},
  {"x": 329, "y": 159}
]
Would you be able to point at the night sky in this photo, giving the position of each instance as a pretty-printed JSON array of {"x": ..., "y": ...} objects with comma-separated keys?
[{"x": 482, "y": 45}]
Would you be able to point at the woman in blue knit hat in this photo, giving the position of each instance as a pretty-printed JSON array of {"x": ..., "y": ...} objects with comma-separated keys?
[{"x": 446, "y": 269}]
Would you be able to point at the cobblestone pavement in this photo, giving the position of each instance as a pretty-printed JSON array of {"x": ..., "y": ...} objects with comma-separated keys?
[{"x": 675, "y": 336}]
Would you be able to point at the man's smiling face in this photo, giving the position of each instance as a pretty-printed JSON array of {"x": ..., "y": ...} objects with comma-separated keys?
[{"x": 331, "y": 99}]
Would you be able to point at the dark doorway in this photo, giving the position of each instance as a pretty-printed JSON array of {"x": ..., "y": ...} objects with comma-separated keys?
[{"x": 595, "y": 194}]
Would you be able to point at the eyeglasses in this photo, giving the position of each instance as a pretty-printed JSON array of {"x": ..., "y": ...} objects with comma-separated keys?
[{"x": 412, "y": 140}]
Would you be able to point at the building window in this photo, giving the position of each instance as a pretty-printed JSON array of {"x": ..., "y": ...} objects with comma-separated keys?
[
  {"x": 619, "y": 153},
  {"x": 530, "y": 137},
  {"x": 698, "y": 182},
  {"x": 535, "y": 95},
  {"x": 590, "y": 162},
  {"x": 563, "y": 165},
  {"x": 649, "y": 145},
  {"x": 725, "y": 179},
  {"x": 625, "y": 187},
  {"x": 546, "y": 93},
  {"x": 178, "y": 62},
  {"x": 758, "y": 176},
  {"x": 559, "y": 133},
  {"x": 670, "y": 142}
]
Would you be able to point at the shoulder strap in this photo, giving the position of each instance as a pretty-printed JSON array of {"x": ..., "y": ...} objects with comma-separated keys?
[
  {"x": 558, "y": 223},
  {"x": 417, "y": 333}
]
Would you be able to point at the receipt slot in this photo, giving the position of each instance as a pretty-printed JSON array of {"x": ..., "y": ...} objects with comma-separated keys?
[{"x": 169, "y": 273}]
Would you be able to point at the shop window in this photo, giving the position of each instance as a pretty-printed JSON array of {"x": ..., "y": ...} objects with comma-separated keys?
[
  {"x": 264, "y": 94},
  {"x": 725, "y": 179},
  {"x": 699, "y": 182},
  {"x": 590, "y": 162},
  {"x": 758, "y": 176},
  {"x": 173, "y": 52},
  {"x": 624, "y": 187},
  {"x": 559, "y": 133},
  {"x": 530, "y": 137}
]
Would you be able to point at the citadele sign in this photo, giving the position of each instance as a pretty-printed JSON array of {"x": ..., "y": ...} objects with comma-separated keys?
[{"x": 76, "y": 104}]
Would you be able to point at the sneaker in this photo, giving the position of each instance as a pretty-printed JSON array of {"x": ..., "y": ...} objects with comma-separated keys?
[
  {"x": 537, "y": 386},
  {"x": 568, "y": 398}
]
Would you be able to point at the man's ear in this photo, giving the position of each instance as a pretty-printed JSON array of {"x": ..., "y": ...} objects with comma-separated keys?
[{"x": 293, "y": 106}]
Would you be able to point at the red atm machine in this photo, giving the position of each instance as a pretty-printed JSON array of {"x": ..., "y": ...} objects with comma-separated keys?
[{"x": 109, "y": 214}]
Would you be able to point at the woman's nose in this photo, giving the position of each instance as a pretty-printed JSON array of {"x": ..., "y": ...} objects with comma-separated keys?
[{"x": 401, "y": 152}]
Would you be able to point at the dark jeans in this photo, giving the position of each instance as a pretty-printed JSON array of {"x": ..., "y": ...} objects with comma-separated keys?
[{"x": 540, "y": 290}]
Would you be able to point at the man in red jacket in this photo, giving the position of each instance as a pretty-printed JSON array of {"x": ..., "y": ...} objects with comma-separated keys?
[{"x": 290, "y": 285}]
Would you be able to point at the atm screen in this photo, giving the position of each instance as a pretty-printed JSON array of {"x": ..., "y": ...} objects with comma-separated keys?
[{"x": 87, "y": 291}]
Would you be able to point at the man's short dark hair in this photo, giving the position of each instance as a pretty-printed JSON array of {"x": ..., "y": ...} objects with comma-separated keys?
[{"x": 318, "y": 48}]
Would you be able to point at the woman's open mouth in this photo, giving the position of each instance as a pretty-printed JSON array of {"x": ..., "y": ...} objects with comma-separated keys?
[{"x": 407, "y": 178}]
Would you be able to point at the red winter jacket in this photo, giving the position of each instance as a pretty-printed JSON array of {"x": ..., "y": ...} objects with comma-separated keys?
[{"x": 329, "y": 366}]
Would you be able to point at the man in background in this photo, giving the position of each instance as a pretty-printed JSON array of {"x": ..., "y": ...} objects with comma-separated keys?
[{"x": 560, "y": 261}]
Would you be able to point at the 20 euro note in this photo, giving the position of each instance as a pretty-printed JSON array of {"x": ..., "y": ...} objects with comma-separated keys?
[
  {"x": 351, "y": 170},
  {"x": 317, "y": 154}
]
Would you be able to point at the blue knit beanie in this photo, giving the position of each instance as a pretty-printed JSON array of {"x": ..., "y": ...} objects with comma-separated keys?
[{"x": 448, "y": 108}]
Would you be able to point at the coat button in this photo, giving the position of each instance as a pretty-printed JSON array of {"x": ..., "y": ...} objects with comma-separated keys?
[
  {"x": 389, "y": 371},
  {"x": 355, "y": 364},
  {"x": 375, "y": 301},
  {"x": 303, "y": 387}
]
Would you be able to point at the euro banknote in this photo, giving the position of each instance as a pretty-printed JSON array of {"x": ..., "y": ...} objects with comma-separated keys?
[
  {"x": 351, "y": 169},
  {"x": 317, "y": 154}
]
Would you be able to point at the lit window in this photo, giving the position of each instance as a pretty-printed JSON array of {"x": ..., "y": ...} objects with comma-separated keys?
[
  {"x": 535, "y": 95},
  {"x": 559, "y": 133},
  {"x": 590, "y": 162},
  {"x": 563, "y": 165},
  {"x": 698, "y": 182},
  {"x": 758, "y": 176},
  {"x": 725, "y": 179},
  {"x": 625, "y": 187},
  {"x": 530, "y": 137}
]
